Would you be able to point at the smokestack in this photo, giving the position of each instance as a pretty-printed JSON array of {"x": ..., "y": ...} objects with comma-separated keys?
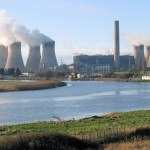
[
  {"x": 14, "y": 59},
  {"x": 116, "y": 45},
  {"x": 139, "y": 56},
  {"x": 34, "y": 57},
  {"x": 3, "y": 56},
  {"x": 48, "y": 59}
]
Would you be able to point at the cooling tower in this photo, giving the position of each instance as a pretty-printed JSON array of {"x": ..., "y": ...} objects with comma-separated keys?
[
  {"x": 14, "y": 59},
  {"x": 139, "y": 56},
  {"x": 34, "y": 57},
  {"x": 3, "y": 56},
  {"x": 116, "y": 45},
  {"x": 147, "y": 54},
  {"x": 48, "y": 59}
]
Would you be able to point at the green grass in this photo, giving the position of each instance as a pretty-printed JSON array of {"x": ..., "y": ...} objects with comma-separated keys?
[{"x": 85, "y": 126}]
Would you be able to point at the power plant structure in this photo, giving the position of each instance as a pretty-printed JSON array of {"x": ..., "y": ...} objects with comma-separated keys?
[
  {"x": 14, "y": 59},
  {"x": 45, "y": 58},
  {"x": 3, "y": 55},
  {"x": 139, "y": 56},
  {"x": 147, "y": 55},
  {"x": 116, "y": 45},
  {"x": 34, "y": 57},
  {"x": 11, "y": 57},
  {"x": 48, "y": 59},
  {"x": 92, "y": 61}
]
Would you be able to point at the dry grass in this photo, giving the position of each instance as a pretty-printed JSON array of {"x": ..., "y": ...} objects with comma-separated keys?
[
  {"x": 132, "y": 145},
  {"x": 21, "y": 86},
  {"x": 46, "y": 142}
]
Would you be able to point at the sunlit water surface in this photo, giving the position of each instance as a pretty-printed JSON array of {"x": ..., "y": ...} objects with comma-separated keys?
[{"x": 76, "y": 100}]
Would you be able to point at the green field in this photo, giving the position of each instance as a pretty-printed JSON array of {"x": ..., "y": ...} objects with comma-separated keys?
[{"x": 85, "y": 126}]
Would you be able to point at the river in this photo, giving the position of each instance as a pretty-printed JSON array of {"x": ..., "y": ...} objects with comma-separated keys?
[{"x": 76, "y": 100}]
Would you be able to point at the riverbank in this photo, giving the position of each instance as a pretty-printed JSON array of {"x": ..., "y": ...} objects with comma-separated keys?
[
  {"x": 108, "y": 132},
  {"x": 112, "y": 79},
  {"x": 6, "y": 86},
  {"x": 109, "y": 122}
]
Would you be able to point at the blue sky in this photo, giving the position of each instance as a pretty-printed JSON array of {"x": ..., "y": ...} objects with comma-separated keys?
[{"x": 83, "y": 26}]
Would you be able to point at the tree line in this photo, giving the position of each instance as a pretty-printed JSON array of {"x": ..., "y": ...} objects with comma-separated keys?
[{"x": 10, "y": 71}]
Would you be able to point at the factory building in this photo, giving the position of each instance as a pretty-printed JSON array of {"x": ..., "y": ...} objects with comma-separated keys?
[{"x": 81, "y": 61}]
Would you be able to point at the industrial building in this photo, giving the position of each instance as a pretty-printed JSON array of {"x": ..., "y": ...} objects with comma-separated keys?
[{"x": 81, "y": 61}]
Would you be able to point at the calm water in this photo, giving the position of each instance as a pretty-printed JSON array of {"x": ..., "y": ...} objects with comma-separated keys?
[{"x": 77, "y": 100}]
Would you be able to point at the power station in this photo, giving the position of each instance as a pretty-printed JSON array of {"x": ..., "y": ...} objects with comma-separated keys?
[
  {"x": 34, "y": 57},
  {"x": 14, "y": 59},
  {"x": 42, "y": 56},
  {"x": 48, "y": 59}
]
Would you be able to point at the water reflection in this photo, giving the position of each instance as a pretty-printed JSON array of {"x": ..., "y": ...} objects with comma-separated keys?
[{"x": 77, "y": 100}]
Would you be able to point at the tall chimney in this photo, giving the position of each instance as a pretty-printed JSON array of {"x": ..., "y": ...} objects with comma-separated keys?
[
  {"x": 116, "y": 45},
  {"x": 14, "y": 59},
  {"x": 34, "y": 57},
  {"x": 48, "y": 59}
]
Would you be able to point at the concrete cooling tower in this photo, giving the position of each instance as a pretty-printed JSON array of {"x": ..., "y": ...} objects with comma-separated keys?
[
  {"x": 34, "y": 57},
  {"x": 48, "y": 59},
  {"x": 3, "y": 56},
  {"x": 139, "y": 56},
  {"x": 116, "y": 45},
  {"x": 14, "y": 59},
  {"x": 147, "y": 55}
]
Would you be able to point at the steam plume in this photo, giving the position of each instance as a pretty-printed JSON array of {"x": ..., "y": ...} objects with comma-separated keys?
[{"x": 11, "y": 31}]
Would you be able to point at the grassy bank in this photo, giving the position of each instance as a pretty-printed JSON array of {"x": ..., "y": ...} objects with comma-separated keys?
[
  {"x": 23, "y": 86},
  {"x": 111, "y": 131},
  {"x": 112, "y": 121}
]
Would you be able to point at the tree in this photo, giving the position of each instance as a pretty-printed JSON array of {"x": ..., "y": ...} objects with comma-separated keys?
[
  {"x": 2, "y": 72},
  {"x": 10, "y": 71},
  {"x": 17, "y": 73}
]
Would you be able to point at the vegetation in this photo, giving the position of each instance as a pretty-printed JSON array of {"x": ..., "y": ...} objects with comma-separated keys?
[
  {"x": 10, "y": 71},
  {"x": 138, "y": 144},
  {"x": 22, "y": 86},
  {"x": 46, "y": 142},
  {"x": 110, "y": 131},
  {"x": 112, "y": 121}
]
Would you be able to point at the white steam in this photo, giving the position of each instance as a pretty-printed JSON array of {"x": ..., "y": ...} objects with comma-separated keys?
[
  {"x": 137, "y": 39},
  {"x": 11, "y": 31}
]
